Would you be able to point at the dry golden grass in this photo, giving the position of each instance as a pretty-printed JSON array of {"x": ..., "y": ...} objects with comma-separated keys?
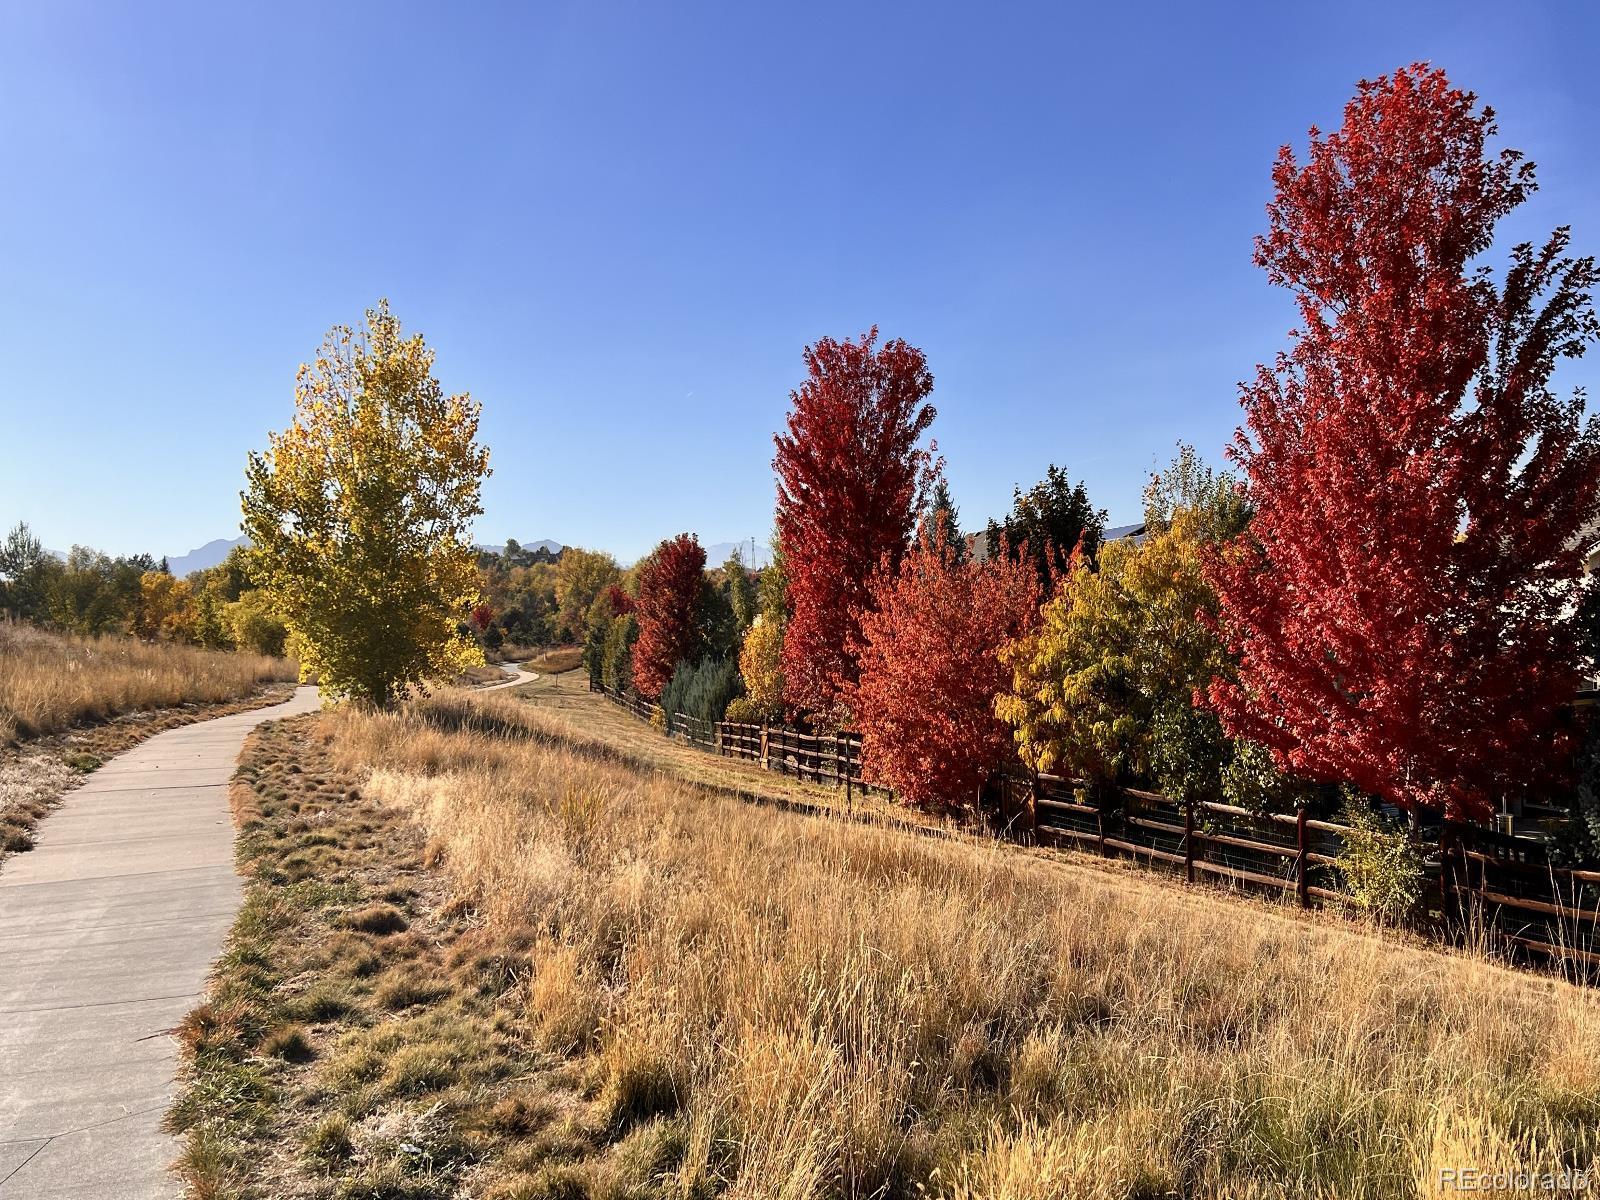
[
  {"x": 556, "y": 661},
  {"x": 770, "y": 1005},
  {"x": 565, "y": 710},
  {"x": 51, "y": 682}
]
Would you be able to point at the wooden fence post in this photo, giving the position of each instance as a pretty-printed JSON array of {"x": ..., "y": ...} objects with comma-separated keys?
[
  {"x": 1302, "y": 882},
  {"x": 764, "y": 765},
  {"x": 1446, "y": 873},
  {"x": 1188, "y": 838},
  {"x": 843, "y": 767}
]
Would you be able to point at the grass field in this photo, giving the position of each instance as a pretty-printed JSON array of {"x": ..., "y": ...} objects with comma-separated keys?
[
  {"x": 477, "y": 960},
  {"x": 52, "y": 682},
  {"x": 556, "y": 661},
  {"x": 562, "y": 708}
]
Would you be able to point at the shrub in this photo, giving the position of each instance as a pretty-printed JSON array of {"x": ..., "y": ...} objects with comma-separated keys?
[
  {"x": 1381, "y": 867},
  {"x": 743, "y": 711},
  {"x": 701, "y": 691}
]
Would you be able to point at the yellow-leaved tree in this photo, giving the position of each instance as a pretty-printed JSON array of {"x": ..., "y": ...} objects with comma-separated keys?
[
  {"x": 166, "y": 609},
  {"x": 581, "y": 575},
  {"x": 1104, "y": 687},
  {"x": 359, "y": 515},
  {"x": 761, "y": 665}
]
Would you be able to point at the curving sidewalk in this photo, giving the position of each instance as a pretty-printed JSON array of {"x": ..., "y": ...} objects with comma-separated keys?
[
  {"x": 108, "y": 929},
  {"x": 519, "y": 674}
]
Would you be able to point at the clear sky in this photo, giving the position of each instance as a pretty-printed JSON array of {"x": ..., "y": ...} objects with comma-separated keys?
[{"x": 619, "y": 223}]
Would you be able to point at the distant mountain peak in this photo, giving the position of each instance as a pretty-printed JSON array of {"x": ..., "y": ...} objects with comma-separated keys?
[
  {"x": 549, "y": 545},
  {"x": 205, "y": 557}
]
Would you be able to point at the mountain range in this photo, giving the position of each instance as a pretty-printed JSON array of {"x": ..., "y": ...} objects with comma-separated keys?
[
  {"x": 205, "y": 557},
  {"x": 549, "y": 544},
  {"x": 213, "y": 552}
]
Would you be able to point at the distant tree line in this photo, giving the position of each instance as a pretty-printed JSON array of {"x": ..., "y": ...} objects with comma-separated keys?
[{"x": 92, "y": 593}]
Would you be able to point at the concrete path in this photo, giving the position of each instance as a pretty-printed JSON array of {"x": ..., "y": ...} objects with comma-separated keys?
[
  {"x": 519, "y": 674},
  {"x": 107, "y": 931}
]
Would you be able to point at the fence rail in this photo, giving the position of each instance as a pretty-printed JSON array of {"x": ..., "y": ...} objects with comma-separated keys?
[
  {"x": 1475, "y": 875},
  {"x": 831, "y": 759}
]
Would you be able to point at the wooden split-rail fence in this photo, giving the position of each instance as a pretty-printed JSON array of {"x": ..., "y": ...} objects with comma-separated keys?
[
  {"x": 830, "y": 759},
  {"x": 1477, "y": 881}
]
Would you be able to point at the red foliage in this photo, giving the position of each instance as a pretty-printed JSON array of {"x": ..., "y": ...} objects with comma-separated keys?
[
  {"x": 930, "y": 670},
  {"x": 1400, "y": 604},
  {"x": 848, "y": 472},
  {"x": 482, "y": 617},
  {"x": 668, "y": 611},
  {"x": 619, "y": 600}
]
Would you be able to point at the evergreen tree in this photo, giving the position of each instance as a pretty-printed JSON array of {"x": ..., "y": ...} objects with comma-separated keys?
[{"x": 1047, "y": 523}]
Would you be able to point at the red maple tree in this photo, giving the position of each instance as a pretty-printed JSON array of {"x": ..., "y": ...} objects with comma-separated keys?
[
  {"x": 930, "y": 669},
  {"x": 668, "y": 612},
  {"x": 848, "y": 470},
  {"x": 1400, "y": 604}
]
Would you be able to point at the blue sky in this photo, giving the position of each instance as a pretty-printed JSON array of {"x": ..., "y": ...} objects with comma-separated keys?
[{"x": 619, "y": 224}]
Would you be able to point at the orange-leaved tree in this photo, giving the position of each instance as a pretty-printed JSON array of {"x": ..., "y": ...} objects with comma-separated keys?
[{"x": 930, "y": 668}]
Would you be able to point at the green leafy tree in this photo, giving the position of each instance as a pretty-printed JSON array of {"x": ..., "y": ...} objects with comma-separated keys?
[
  {"x": 596, "y": 625},
  {"x": 1216, "y": 504},
  {"x": 94, "y": 593},
  {"x": 617, "y": 662},
  {"x": 719, "y": 624},
  {"x": 359, "y": 515},
  {"x": 214, "y": 588},
  {"x": 741, "y": 592},
  {"x": 772, "y": 590},
  {"x": 1105, "y": 687},
  {"x": 580, "y": 576},
  {"x": 254, "y": 625}
]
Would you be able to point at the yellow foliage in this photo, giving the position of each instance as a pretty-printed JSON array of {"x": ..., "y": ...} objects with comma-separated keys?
[
  {"x": 760, "y": 663},
  {"x": 1117, "y": 648},
  {"x": 581, "y": 576},
  {"x": 359, "y": 515},
  {"x": 166, "y": 610},
  {"x": 253, "y": 625}
]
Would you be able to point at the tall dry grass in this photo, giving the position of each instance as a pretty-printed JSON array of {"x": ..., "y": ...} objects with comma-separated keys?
[
  {"x": 50, "y": 682},
  {"x": 823, "y": 1009}
]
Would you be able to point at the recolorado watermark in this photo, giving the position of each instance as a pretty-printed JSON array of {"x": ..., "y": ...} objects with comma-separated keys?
[{"x": 1475, "y": 1179}]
